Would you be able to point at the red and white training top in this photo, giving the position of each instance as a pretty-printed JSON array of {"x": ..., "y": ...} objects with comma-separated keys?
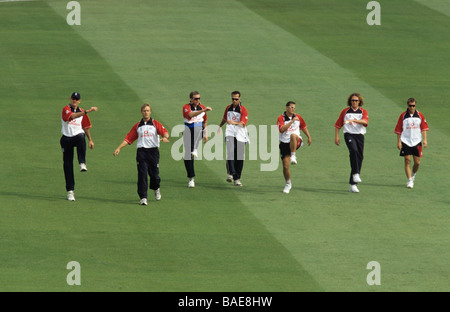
[
  {"x": 351, "y": 114},
  {"x": 296, "y": 126},
  {"x": 146, "y": 133},
  {"x": 74, "y": 127},
  {"x": 237, "y": 114},
  {"x": 196, "y": 121},
  {"x": 410, "y": 127}
]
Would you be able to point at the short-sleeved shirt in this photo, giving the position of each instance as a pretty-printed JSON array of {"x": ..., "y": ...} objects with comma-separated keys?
[
  {"x": 76, "y": 126},
  {"x": 195, "y": 121},
  {"x": 351, "y": 114},
  {"x": 295, "y": 128},
  {"x": 410, "y": 126},
  {"x": 237, "y": 114},
  {"x": 146, "y": 133}
]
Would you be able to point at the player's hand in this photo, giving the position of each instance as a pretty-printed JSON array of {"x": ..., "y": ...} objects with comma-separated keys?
[
  {"x": 208, "y": 108},
  {"x": 116, "y": 152},
  {"x": 309, "y": 141},
  {"x": 337, "y": 141},
  {"x": 399, "y": 146},
  {"x": 205, "y": 139},
  {"x": 91, "y": 144},
  {"x": 425, "y": 143},
  {"x": 164, "y": 139},
  {"x": 92, "y": 109},
  {"x": 219, "y": 131}
]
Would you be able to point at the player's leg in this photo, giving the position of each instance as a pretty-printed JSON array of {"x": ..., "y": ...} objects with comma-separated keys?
[
  {"x": 230, "y": 155},
  {"x": 68, "y": 154},
  {"x": 142, "y": 168},
  {"x": 417, "y": 153},
  {"x": 415, "y": 165},
  {"x": 286, "y": 172},
  {"x": 408, "y": 166},
  {"x": 80, "y": 142},
  {"x": 153, "y": 169},
  {"x": 239, "y": 156},
  {"x": 353, "y": 154}
]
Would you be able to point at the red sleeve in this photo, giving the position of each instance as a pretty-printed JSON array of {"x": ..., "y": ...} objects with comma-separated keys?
[
  {"x": 205, "y": 118},
  {"x": 423, "y": 124},
  {"x": 244, "y": 115},
  {"x": 225, "y": 117},
  {"x": 365, "y": 116},
  {"x": 399, "y": 126},
  {"x": 186, "y": 111},
  {"x": 160, "y": 128},
  {"x": 302, "y": 122},
  {"x": 280, "y": 122},
  {"x": 66, "y": 113},
  {"x": 340, "y": 121},
  {"x": 86, "y": 122},
  {"x": 132, "y": 135}
]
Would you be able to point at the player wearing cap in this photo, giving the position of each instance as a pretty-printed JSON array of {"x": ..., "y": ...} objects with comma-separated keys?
[
  {"x": 354, "y": 120},
  {"x": 146, "y": 132},
  {"x": 195, "y": 121},
  {"x": 411, "y": 128},
  {"x": 75, "y": 126},
  {"x": 289, "y": 124}
]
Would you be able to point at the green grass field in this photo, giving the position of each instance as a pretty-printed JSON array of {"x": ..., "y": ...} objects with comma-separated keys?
[{"x": 217, "y": 237}]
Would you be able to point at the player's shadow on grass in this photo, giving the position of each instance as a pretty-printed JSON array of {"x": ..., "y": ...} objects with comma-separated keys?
[
  {"x": 58, "y": 197},
  {"x": 31, "y": 196}
]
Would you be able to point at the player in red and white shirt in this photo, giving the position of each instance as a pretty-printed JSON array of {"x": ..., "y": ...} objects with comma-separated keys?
[
  {"x": 236, "y": 118},
  {"x": 289, "y": 124},
  {"x": 146, "y": 132},
  {"x": 195, "y": 121},
  {"x": 354, "y": 120},
  {"x": 75, "y": 125},
  {"x": 411, "y": 130}
]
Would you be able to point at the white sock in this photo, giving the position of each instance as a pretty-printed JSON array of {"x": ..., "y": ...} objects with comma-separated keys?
[
  {"x": 292, "y": 154},
  {"x": 288, "y": 182}
]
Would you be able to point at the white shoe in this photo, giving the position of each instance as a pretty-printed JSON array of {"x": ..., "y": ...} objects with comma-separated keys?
[
  {"x": 194, "y": 154},
  {"x": 293, "y": 160},
  {"x": 287, "y": 188},
  {"x": 356, "y": 178},
  {"x": 237, "y": 182},
  {"x": 158, "y": 194},
  {"x": 70, "y": 196},
  {"x": 83, "y": 167},
  {"x": 229, "y": 178},
  {"x": 410, "y": 183},
  {"x": 191, "y": 183},
  {"x": 354, "y": 188},
  {"x": 413, "y": 176},
  {"x": 143, "y": 202}
]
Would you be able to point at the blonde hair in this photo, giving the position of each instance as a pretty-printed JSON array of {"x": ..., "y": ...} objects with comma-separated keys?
[{"x": 145, "y": 105}]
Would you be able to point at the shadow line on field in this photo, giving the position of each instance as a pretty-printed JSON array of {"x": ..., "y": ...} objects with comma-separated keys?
[{"x": 59, "y": 197}]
